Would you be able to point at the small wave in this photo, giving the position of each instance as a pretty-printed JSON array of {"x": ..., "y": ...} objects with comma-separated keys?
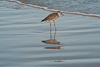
[{"x": 52, "y": 10}]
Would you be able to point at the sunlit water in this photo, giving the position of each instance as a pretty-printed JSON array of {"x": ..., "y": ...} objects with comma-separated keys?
[{"x": 22, "y": 35}]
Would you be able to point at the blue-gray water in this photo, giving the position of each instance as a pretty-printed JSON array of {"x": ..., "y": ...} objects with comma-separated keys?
[
  {"x": 22, "y": 35},
  {"x": 82, "y": 6}
]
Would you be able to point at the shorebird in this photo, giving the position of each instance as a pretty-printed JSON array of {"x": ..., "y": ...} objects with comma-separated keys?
[{"x": 52, "y": 18}]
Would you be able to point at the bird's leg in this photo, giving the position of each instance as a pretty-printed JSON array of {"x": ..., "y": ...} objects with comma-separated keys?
[
  {"x": 54, "y": 34},
  {"x": 50, "y": 32},
  {"x": 55, "y": 26},
  {"x": 50, "y": 26}
]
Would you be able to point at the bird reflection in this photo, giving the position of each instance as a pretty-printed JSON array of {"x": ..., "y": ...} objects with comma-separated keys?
[
  {"x": 57, "y": 61},
  {"x": 52, "y": 48},
  {"x": 52, "y": 40}
]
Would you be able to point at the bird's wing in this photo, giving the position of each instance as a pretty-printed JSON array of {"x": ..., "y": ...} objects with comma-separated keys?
[{"x": 52, "y": 16}]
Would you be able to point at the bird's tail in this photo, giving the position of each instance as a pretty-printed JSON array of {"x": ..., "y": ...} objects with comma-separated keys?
[{"x": 42, "y": 20}]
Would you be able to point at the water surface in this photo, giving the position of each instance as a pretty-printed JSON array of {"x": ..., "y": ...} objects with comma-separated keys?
[{"x": 22, "y": 35}]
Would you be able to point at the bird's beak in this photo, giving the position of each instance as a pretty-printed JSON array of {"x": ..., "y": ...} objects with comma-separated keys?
[{"x": 62, "y": 14}]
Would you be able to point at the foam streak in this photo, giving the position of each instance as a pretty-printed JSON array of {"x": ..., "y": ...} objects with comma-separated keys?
[{"x": 45, "y": 8}]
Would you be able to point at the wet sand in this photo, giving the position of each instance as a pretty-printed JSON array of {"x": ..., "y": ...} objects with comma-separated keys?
[{"x": 22, "y": 36}]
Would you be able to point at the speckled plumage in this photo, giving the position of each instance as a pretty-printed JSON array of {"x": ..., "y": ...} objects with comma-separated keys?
[{"x": 52, "y": 17}]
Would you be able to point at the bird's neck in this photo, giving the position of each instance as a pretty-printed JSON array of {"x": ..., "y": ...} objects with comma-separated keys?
[{"x": 59, "y": 14}]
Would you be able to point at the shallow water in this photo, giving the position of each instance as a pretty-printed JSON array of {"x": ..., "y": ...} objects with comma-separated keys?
[
  {"x": 22, "y": 35},
  {"x": 82, "y": 6}
]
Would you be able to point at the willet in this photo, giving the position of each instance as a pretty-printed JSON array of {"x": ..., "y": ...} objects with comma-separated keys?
[{"x": 52, "y": 18}]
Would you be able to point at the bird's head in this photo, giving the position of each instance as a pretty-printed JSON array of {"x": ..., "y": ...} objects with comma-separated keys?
[{"x": 60, "y": 12}]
